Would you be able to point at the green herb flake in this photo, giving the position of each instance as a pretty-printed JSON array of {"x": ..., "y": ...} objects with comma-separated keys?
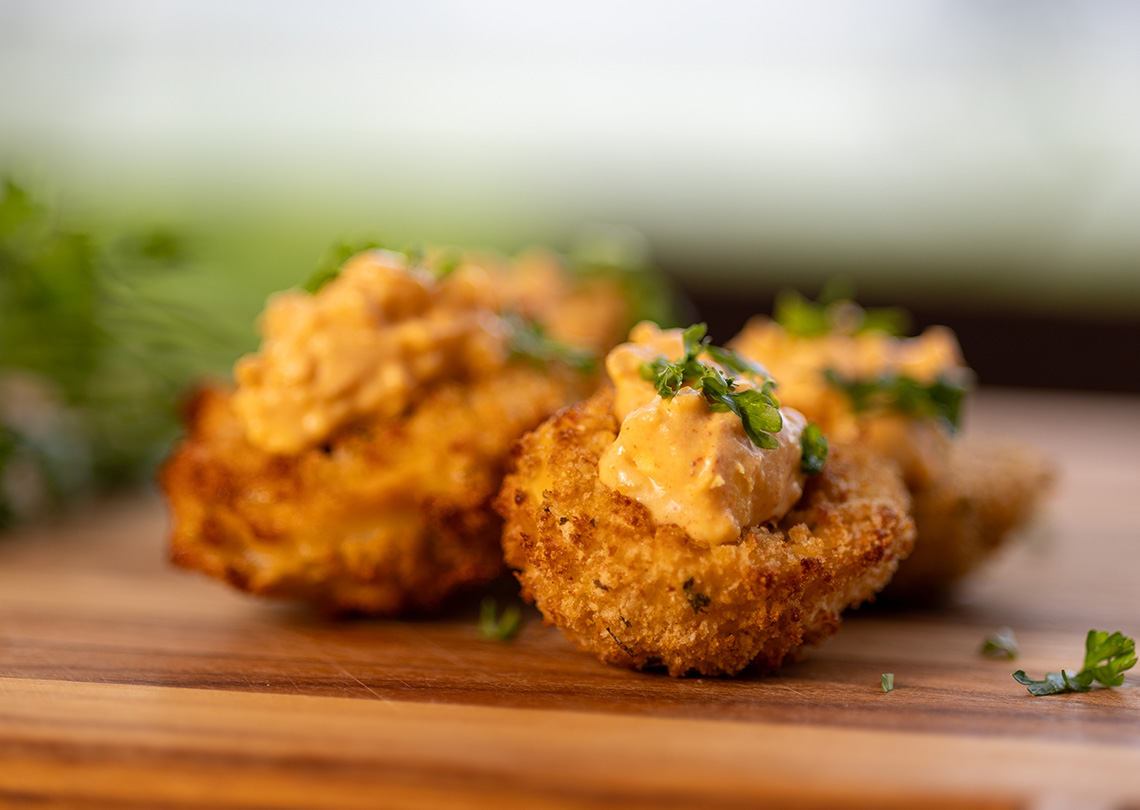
[
  {"x": 813, "y": 449},
  {"x": 799, "y": 316},
  {"x": 528, "y": 340},
  {"x": 697, "y": 600},
  {"x": 1107, "y": 657},
  {"x": 942, "y": 399},
  {"x": 888, "y": 681},
  {"x": 331, "y": 263},
  {"x": 496, "y": 627},
  {"x": 835, "y": 312},
  {"x": 694, "y": 339},
  {"x": 417, "y": 256},
  {"x": 890, "y": 320},
  {"x": 758, "y": 408},
  {"x": 735, "y": 362},
  {"x": 447, "y": 263},
  {"x": 328, "y": 268},
  {"x": 1002, "y": 643}
]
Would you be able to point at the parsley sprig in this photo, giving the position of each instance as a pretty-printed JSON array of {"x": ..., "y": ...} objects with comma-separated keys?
[
  {"x": 1001, "y": 643},
  {"x": 941, "y": 399},
  {"x": 528, "y": 340},
  {"x": 697, "y": 601},
  {"x": 835, "y": 312},
  {"x": 333, "y": 260},
  {"x": 1107, "y": 657},
  {"x": 496, "y": 627},
  {"x": 758, "y": 408},
  {"x": 438, "y": 263},
  {"x": 813, "y": 449}
]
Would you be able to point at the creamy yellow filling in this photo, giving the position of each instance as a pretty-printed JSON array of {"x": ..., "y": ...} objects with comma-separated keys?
[
  {"x": 366, "y": 343},
  {"x": 798, "y": 363},
  {"x": 691, "y": 467},
  {"x": 919, "y": 445}
]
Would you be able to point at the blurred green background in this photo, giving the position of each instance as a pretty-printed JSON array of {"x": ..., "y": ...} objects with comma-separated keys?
[{"x": 978, "y": 163}]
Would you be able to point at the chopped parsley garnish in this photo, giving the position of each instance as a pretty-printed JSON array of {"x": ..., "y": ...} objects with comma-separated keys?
[
  {"x": 941, "y": 399},
  {"x": 1107, "y": 657},
  {"x": 529, "y": 340},
  {"x": 439, "y": 262},
  {"x": 498, "y": 628},
  {"x": 734, "y": 361},
  {"x": 758, "y": 408},
  {"x": 888, "y": 681},
  {"x": 446, "y": 262},
  {"x": 813, "y": 449},
  {"x": 799, "y": 316},
  {"x": 834, "y": 311},
  {"x": 417, "y": 256},
  {"x": 320, "y": 277},
  {"x": 331, "y": 263},
  {"x": 891, "y": 320},
  {"x": 1000, "y": 644},
  {"x": 697, "y": 600}
]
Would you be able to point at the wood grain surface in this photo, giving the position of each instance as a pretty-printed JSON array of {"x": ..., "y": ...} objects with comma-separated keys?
[{"x": 124, "y": 682}]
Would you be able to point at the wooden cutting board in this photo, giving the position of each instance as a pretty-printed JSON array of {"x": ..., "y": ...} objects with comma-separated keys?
[{"x": 124, "y": 682}]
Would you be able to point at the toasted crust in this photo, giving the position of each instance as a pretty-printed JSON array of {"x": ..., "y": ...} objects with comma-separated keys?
[
  {"x": 970, "y": 495},
  {"x": 638, "y": 594},
  {"x": 991, "y": 487},
  {"x": 384, "y": 518}
]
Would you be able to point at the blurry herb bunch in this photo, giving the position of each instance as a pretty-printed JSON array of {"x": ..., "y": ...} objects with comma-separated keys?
[
  {"x": 94, "y": 360},
  {"x": 614, "y": 252},
  {"x": 91, "y": 365}
]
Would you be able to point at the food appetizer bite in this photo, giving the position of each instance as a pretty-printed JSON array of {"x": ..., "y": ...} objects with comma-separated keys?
[
  {"x": 849, "y": 370},
  {"x": 354, "y": 461},
  {"x": 682, "y": 518}
]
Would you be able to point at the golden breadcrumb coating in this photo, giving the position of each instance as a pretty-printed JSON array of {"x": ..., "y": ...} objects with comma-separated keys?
[
  {"x": 991, "y": 487},
  {"x": 970, "y": 494},
  {"x": 638, "y": 594},
  {"x": 386, "y": 516},
  {"x": 386, "y": 405}
]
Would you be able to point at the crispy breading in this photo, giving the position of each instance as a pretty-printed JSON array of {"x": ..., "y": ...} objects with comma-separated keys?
[
  {"x": 970, "y": 495},
  {"x": 991, "y": 487},
  {"x": 386, "y": 516},
  {"x": 354, "y": 464},
  {"x": 638, "y": 594}
]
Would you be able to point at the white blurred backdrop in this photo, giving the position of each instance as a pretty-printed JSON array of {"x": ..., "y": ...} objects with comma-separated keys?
[{"x": 974, "y": 149}]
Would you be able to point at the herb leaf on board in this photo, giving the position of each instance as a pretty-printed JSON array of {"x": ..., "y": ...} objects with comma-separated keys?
[{"x": 1107, "y": 657}]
